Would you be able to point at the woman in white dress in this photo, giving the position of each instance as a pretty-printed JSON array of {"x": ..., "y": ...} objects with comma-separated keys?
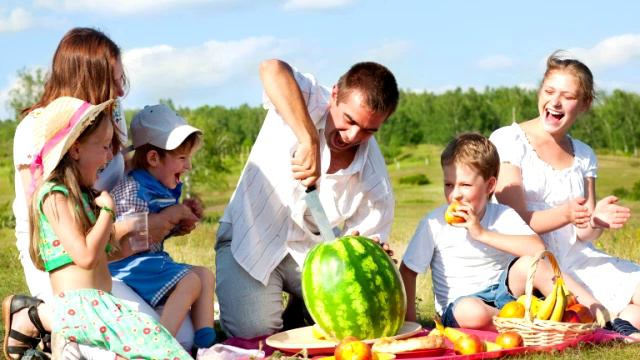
[{"x": 549, "y": 178}]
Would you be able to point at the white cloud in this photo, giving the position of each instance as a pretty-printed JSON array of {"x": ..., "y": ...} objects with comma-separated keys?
[
  {"x": 121, "y": 7},
  {"x": 610, "y": 52},
  {"x": 495, "y": 62},
  {"x": 388, "y": 52},
  {"x": 316, "y": 4},
  {"x": 19, "y": 19},
  {"x": 164, "y": 71}
]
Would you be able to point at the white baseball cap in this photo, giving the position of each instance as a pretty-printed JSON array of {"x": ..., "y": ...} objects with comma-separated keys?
[{"x": 160, "y": 126}]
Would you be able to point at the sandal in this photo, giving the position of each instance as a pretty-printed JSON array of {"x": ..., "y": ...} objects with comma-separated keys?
[{"x": 11, "y": 305}]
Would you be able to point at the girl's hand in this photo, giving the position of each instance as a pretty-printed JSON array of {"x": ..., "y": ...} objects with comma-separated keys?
[
  {"x": 105, "y": 200},
  {"x": 577, "y": 213},
  {"x": 608, "y": 214}
]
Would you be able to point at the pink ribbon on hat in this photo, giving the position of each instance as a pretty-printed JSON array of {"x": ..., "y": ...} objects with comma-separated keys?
[{"x": 37, "y": 164}]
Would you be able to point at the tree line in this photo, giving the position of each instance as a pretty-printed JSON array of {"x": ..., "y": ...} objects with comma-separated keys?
[{"x": 613, "y": 124}]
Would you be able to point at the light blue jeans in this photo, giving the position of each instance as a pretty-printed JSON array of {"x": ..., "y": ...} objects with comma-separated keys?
[{"x": 248, "y": 308}]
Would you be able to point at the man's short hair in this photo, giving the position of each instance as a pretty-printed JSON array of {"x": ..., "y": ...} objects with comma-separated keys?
[{"x": 375, "y": 82}]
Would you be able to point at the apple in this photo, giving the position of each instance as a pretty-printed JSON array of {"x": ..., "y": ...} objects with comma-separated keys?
[
  {"x": 571, "y": 316},
  {"x": 449, "y": 217},
  {"x": 467, "y": 345},
  {"x": 509, "y": 340},
  {"x": 350, "y": 348},
  {"x": 583, "y": 313}
]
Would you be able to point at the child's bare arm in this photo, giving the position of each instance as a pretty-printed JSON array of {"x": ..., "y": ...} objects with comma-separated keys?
[
  {"x": 518, "y": 245},
  {"x": 409, "y": 279},
  {"x": 84, "y": 249}
]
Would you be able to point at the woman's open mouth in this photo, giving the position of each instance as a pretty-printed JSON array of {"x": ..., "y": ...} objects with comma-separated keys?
[{"x": 553, "y": 116}]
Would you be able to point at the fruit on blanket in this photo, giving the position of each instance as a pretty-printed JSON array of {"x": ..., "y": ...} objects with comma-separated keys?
[
  {"x": 351, "y": 287},
  {"x": 350, "y": 348},
  {"x": 491, "y": 346},
  {"x": 583, "y": 313},
  {"x": 512, "y": 309},
  {"x": 453, "y": 334},
  {"x": 535, "y": 303},
  {"x": 469, "y": 344},
  {"x": 509, "y": 340},
  {"x": 383, "y": 356},
  {"x": 448, "y": 214}
]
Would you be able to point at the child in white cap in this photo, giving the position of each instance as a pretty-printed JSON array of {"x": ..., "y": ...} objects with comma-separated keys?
[
  {"x": 164, "y": 144},
  {"x": 72, "y": 234}
]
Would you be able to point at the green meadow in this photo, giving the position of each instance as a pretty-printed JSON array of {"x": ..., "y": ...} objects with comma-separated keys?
[{"x": 412, "y": 202}]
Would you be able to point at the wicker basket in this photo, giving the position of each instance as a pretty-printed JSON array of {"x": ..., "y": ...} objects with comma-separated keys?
[{"x": 535, "y": 332}]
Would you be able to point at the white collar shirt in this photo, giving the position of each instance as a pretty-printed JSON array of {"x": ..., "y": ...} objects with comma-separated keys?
[{"x": 267, "y": 211}]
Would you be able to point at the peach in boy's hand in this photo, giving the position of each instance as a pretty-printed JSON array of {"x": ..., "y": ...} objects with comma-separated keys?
[{"x": 449, "y": 214}]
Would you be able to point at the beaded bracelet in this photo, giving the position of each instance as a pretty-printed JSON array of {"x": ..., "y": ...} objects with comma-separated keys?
[{"x": 110, "y": 211}]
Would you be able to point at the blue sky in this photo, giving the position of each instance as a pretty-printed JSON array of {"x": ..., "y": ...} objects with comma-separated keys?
[{"x": 207, "y": 51}]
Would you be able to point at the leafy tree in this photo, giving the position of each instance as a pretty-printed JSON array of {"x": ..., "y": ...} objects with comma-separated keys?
[{"x": 28, "y": 90}]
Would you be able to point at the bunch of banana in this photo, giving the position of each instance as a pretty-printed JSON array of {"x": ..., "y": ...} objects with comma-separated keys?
[{"x": 554, "y": 305}]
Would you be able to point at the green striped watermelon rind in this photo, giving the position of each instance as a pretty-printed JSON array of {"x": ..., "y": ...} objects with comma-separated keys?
[{"x": 370, "y": 308}]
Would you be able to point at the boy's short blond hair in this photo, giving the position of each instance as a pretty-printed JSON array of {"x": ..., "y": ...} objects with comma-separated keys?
[{"x": 474, "y": 150}]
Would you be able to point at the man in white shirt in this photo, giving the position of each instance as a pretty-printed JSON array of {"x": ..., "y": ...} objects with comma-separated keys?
[{"x": 311, "y": 135}]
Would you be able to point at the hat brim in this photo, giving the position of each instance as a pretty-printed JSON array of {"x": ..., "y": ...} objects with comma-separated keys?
[
  {"x": 176, "y": 137},
  {"x": 53, "y": 157}
]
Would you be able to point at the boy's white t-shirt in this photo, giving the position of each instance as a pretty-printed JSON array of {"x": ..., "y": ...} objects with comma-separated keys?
[{"x": 461, "y": 266}]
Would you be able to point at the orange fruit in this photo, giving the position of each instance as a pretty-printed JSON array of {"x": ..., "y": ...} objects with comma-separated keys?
[
  {"x": 467, "y": 345},
  {"x": 512, "y": 309},
  {"x": 448, "y": 215},
  {"x": 509, "y": 340},
  {"x": 351, "y": 348}
]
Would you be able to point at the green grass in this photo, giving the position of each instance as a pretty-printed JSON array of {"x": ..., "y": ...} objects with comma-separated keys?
[{"x": 412, "y": 203}]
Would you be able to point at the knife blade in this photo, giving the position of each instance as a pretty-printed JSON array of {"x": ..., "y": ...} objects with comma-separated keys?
[{"x": 318, "y": 214}]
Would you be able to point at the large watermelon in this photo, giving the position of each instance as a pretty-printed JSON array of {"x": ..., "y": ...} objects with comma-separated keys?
[{"x": 352, "y": 287}]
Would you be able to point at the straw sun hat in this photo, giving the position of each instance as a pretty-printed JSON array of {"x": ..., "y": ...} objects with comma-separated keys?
[{"x": 58, "y": 126}]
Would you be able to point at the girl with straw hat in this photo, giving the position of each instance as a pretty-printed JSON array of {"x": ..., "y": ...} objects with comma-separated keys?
[{"x": 72, "y": 231}]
